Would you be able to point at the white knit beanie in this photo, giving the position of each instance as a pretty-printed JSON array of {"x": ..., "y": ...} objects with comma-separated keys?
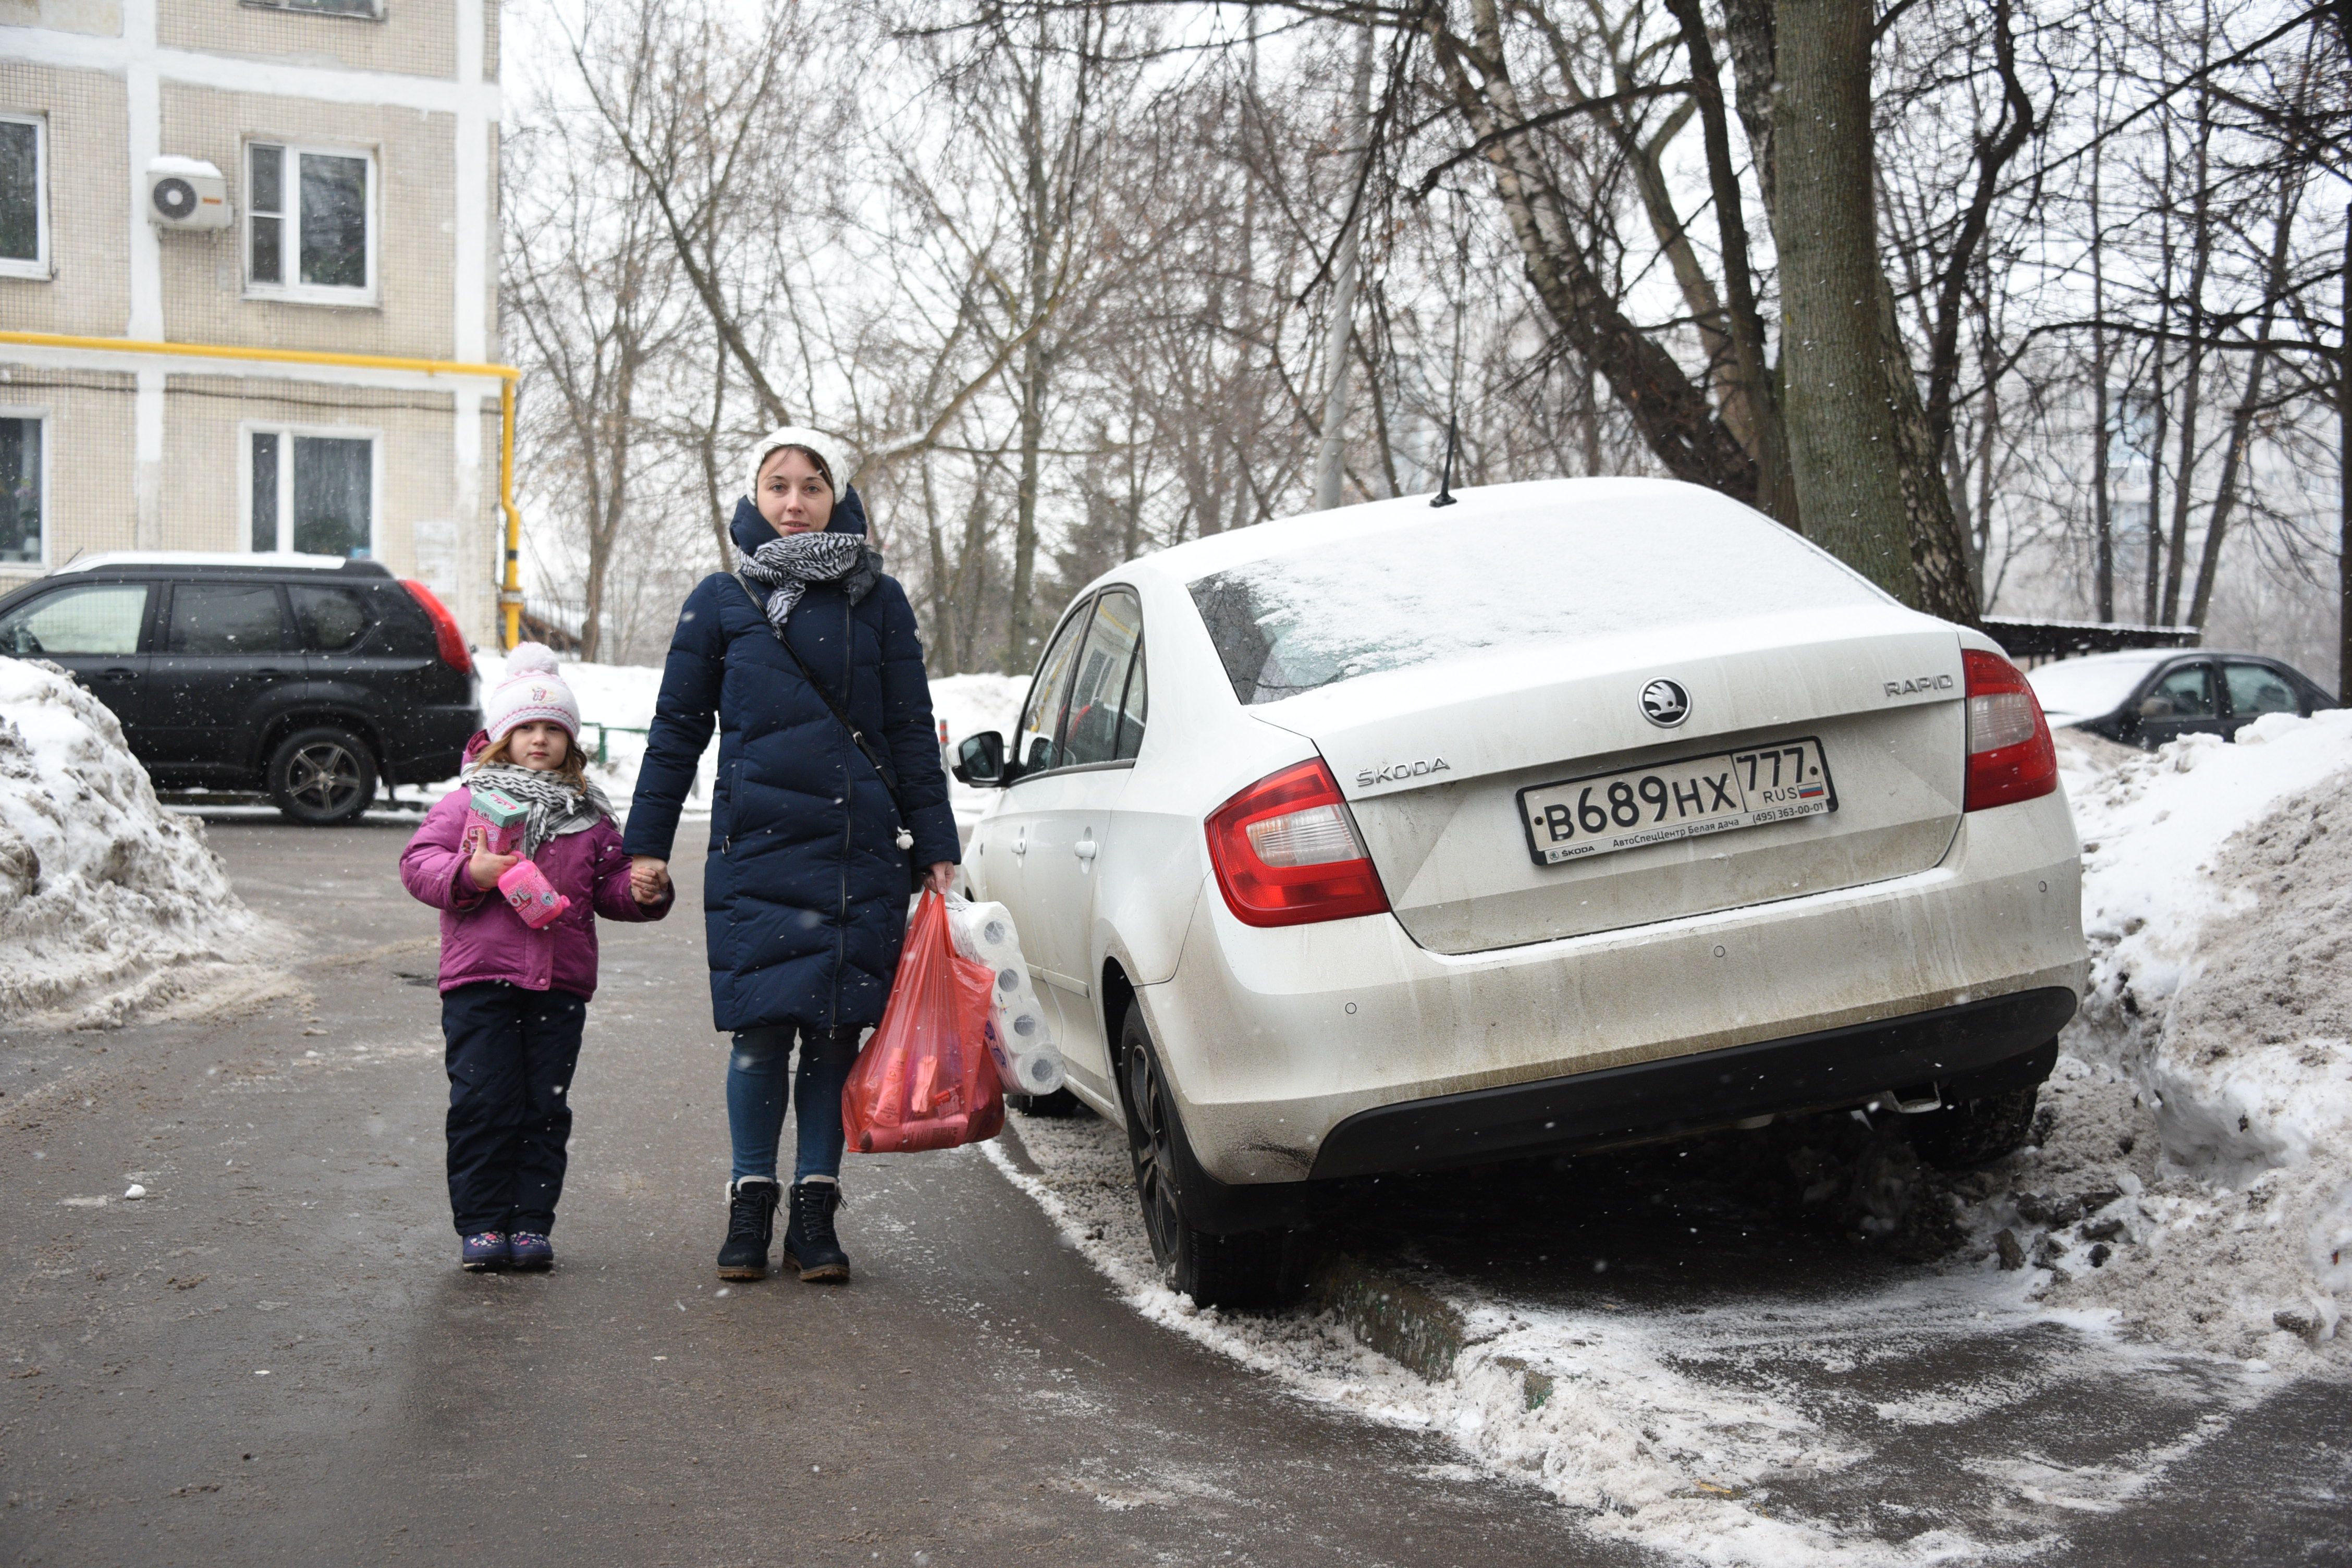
[
  {"x": 838, "y": 462},
  {"x": 531, "y": 691}
]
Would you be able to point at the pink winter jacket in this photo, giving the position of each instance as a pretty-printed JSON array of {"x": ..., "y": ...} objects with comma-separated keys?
[{"x": 481, "y": 936}]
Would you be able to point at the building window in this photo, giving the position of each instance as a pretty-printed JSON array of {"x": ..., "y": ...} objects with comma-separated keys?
[
  {"x": 366, "y": 10},
  {"x": 22, "y": 489},
  {"x": 24, "y": 196},
  {"x": 313, "y": 493},
  {"x": 309, "y": 229}
]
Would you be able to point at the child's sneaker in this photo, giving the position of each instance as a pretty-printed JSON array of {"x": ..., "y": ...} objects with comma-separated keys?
[
  {"x": 530, "y": 1249},
  {"x": 482, "y": 1253}
]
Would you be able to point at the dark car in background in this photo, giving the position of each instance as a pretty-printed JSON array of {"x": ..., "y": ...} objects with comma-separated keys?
[
  {"x": 303, "y": 676},
  {"x": 2148, "y": 695}
]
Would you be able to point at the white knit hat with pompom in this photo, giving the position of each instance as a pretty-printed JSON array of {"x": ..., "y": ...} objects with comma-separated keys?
[{"x": 531, "y": 691}]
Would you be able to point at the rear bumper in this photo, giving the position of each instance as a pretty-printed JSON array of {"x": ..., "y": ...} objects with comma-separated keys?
[
  {"x": 1275, "y": 1040},
  {"x": 1965, "y": 1052}
]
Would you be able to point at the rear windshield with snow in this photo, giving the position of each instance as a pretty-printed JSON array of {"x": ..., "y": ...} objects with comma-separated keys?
[{"x": 1402, "y": 596}]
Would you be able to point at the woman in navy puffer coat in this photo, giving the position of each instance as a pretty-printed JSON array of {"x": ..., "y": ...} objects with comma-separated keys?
[{"x": 810, "y": 861}]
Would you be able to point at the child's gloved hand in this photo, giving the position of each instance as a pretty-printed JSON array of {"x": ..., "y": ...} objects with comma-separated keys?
[{"x": 486, "y": 868}]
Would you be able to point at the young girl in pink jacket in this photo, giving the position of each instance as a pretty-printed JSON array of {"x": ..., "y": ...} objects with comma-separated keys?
[{"x": 514, "y": 999}]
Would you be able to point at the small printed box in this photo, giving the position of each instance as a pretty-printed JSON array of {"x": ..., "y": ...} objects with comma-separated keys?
[
  {"x": 534, "y": 897},
  {"x": 495, "y": 820}
]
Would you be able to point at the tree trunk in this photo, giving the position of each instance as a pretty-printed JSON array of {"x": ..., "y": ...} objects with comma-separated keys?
[
  {"x": 1674, "y": 417},
  {"x": 1857, "y": 437},
  {"x": 1035, "y": 364},
  {"x": 2344, "y": 475},
  {"x": 1748, "y": 30},
  {"x": 1768, "y": 441},
  {"x": 1337, "y": 361},
  {"x": 2192, "y": 382},
  {"x": 2241, "y": 419},
  {"x": 2103, "y": 537}
]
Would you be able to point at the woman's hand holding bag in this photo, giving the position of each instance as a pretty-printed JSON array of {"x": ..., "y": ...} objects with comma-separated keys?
[{"x": 926, "y": 1080}]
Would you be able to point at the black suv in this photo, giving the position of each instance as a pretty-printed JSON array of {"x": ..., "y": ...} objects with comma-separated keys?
[{"x": 307, "y": 681}]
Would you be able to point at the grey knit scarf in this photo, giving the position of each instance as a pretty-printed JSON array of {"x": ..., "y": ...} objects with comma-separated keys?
[
  {"x": 556, "y": 808},
  {"x": 786, "y": 564}
]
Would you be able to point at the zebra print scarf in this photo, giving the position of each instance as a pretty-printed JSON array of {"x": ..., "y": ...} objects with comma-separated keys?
[{"x": 786, "y": 564}]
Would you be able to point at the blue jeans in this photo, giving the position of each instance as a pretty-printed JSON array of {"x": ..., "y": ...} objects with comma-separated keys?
[{"x": 757, "y": 1094}]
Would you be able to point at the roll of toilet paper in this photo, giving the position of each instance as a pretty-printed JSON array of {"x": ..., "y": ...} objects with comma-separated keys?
[
  {"x": 1028, "y": 1060},
  {"x": 985, "y": 933},
  {"x": 1039, "y": 1072}
]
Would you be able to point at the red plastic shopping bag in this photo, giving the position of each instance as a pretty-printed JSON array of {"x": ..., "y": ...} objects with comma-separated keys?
[{"x": 925, "y": 1080}]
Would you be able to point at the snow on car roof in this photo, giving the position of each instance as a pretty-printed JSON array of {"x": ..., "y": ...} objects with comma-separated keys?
[
  {"x": 271, "y": 559},
  {"x": 2096, "y": 683},
  {"x": 1304, "y": 603},
  {"x": 1570, "y": 500}
]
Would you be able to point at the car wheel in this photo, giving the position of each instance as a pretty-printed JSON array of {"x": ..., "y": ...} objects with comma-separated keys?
[
  {"x": 1975, "y": 1132},
  {"x": 322, "y": 778},
  {"x": 1059, "y": 1104},
  {"x": 1251, "y": 1268}
]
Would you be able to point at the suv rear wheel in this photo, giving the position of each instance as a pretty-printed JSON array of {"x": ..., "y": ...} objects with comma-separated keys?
[
  {"x": 321, "y": 777},
  {"x": 1251, "y": 1268}
]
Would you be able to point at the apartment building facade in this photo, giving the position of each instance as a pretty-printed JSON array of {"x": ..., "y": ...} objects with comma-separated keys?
[{"x": 221, "y": 176}]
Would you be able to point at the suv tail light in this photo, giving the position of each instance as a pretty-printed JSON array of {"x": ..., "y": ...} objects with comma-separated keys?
[
  {"x": 1286, "y": 852},
  {"x": 2010, "y": 756},
  {"x": 446, "y": 633}
]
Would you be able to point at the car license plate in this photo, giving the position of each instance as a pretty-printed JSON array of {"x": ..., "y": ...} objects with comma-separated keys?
[{"x": 1601, "y": 814}]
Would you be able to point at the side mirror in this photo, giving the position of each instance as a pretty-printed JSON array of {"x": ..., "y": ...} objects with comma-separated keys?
[
  {"x": 980, "y": 761},
  {"x": 2156, "y": 708}
]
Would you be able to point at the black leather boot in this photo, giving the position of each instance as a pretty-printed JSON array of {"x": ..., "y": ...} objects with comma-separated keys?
[
  {"x": 809, "y": 1243},
  {"x": 751, "y": 1226}
]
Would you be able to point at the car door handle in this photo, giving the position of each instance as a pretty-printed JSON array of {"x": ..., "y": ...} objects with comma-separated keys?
[
  {"x": 1085, "y": 849},
  {"x": 272, "y": 672},
  {"x": 119, "y": 675}
]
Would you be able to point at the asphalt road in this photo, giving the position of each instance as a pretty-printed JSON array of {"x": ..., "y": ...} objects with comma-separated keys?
[{"x": 273, "y": 1357}]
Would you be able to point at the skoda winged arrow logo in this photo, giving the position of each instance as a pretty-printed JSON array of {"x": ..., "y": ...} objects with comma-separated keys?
[{"x": 1665, "y": 703}]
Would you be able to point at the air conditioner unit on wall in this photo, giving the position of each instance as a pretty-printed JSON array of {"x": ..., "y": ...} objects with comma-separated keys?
[{"x": 186, "y": 193}]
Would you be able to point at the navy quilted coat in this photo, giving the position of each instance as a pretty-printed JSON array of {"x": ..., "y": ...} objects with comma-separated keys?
[{"x": 806, "y": 889}]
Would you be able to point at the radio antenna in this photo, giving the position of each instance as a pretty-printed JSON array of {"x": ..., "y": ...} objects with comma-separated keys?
[{"x": 1444, "y": 496}]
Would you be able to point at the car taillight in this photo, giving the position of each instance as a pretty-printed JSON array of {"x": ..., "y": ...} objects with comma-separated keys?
[
  {"x": 1286, "y": 852},
  {"x": 451, "y": 640},
  {"x": 2010, "y": 757}
]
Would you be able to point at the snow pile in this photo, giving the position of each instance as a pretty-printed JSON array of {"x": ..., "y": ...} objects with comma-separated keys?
[
  {"x": 109, "y": 903},
  {"x": 1749, "y": 1432},
  {"x": 2194, "y": 1174}
]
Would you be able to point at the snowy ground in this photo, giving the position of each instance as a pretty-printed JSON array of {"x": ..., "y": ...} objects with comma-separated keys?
[
  {"x": 1742, "y": 1352},
  {"x": 109, "y": 903}
]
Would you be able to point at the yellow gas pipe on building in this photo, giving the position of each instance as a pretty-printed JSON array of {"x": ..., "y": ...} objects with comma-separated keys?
[{"x": 510, "y": 586}]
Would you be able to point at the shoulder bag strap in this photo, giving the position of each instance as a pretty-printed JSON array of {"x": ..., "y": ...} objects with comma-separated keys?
[{"x": 871, "y": 753}]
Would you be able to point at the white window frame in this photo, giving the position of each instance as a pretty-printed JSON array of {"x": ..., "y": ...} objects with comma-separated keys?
[
  {"x": 375, "y": 14},
  {"x": 39, "y": 415},
  {"x": 290, "y": 219},
  {"x": 39, "y": 267},
  {"x": 246, "y": 431}
]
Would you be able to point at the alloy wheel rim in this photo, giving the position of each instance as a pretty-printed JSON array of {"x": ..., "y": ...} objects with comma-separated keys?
[
  {"x": 324, "y": 776},
  {"x": 1152, "y": 1155}
]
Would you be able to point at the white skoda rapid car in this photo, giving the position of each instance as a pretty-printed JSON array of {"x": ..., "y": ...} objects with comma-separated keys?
[{"x": 1578, "y": 813}]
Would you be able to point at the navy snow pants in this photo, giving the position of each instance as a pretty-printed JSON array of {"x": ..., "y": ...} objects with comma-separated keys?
[{"x": 511, "y": 1054}]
